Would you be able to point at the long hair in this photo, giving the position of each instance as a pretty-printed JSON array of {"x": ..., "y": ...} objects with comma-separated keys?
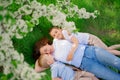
[{"x": 42, "y": 42}]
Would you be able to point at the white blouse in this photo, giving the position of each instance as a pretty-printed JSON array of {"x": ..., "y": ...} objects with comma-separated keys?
[{"x": 62, "y": 48}]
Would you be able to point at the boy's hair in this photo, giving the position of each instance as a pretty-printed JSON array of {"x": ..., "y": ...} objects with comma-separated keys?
[
  {"x": 42, "y": 61},
  {"x": 54, "y": 27}
]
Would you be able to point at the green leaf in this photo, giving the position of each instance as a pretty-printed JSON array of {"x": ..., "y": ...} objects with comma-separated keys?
[
  {"x": 1, "y": 7},
  {"x": 3, "y": 77},
  {"x": 1, "y": 74},
  {"x": 6, "y": 77},
  {"x": 27, "y": 17},
  {"x": 14, "y": 62},
  {"x": 13, "y": 21},
  {"x": 10, "y": 75},
  {"x": 29, "y": 24},
  {"x": 1, "y": 17},
  {"x": 0, "y": 38},
  {"x": 13, "y": 7}
]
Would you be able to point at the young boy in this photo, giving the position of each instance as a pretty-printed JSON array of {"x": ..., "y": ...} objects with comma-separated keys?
[
  {"x": 83, "y": 38},
  {"x": 60, "y": 71}
]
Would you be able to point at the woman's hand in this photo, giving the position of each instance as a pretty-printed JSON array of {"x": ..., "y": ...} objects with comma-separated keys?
[
  {"x": 73, "y": 48},
  {"x": 70, "y": 56}
]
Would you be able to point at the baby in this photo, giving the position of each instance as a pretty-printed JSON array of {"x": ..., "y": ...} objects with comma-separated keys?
[
  {"x": 60, "y": 71},
  {"x": 76, "y": 38}
]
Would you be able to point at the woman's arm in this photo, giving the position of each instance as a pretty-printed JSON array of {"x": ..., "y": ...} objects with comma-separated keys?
[
  {"x": 68, "y": 36},
  {"x": 73, "y": 49},
  {"x": 38, "y": 68}
]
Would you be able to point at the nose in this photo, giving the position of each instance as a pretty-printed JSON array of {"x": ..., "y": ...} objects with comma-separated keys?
[
  {"x": 57, "y": 35},
  {"x": 48, "y": 51}
]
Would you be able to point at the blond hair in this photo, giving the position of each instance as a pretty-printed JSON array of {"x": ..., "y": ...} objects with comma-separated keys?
[{"x": 42, "y": 61}]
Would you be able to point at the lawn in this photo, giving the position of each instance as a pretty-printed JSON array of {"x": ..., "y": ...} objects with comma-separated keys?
[{"x": 106, "y": 26}]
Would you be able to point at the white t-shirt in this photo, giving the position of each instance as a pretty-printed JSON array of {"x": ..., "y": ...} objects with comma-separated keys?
[
  {"x": 59, "y": 69},
  {"x": 82, "y": 37}
]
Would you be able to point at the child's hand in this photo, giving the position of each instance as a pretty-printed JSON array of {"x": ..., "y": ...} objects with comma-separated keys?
[
  {"x": 70, "y": 56},
  {"x": 57, "y": 78}
]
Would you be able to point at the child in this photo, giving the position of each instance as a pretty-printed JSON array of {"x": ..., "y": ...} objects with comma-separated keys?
[
  {"x": 60, "y": 71},
  {"x": 83, "y": 38}
]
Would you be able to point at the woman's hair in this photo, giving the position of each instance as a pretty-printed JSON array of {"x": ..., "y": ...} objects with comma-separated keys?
[
  {"x": 42, "y": 42},
  {"x": 42, "y": 61}
]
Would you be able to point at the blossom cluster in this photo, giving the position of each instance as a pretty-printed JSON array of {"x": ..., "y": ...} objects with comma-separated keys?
[{"x": 73, "y": 10}]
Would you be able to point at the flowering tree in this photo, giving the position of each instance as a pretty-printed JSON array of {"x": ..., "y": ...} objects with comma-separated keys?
[{"x": 12, "y": 24}]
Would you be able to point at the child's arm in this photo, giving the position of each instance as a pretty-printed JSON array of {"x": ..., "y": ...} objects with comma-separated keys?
[
  {"x": 85, "y": 75},
  {"x": 75, "y": 42},
  {"x": 56, "y": 78},
  {"x": 38, "y": 68},
  {"x": 88, "y": 74}
]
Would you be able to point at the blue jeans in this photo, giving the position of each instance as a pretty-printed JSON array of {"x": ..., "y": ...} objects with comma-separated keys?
[{"x": 97, "y": 60}]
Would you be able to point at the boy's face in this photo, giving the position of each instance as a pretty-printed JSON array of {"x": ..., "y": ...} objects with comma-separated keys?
[
  {"x": 56, "y": 33},
  {"x": 50, "y": 59}
]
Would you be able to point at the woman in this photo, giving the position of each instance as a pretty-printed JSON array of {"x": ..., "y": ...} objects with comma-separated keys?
[
  {"x": 37, "y": 54},
  {"x": 88, "y": 58}
]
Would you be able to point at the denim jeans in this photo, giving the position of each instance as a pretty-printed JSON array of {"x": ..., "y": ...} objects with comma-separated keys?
[{"x": 96, "y": 60}]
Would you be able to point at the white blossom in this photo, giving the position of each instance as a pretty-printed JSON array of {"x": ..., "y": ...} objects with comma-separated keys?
[
  {"x": 36, "y": 14},
  {"x": 5, "y": 3},
  {"x": 58, "y": 19},
  {"x": 34, "y": 4},
  {"x": 2, "y": 58},
  {"x": 26, "y": 9},
  {"x": 70, "y": 26},
  {"x": 18, "y": 36},
  {"x": 35, "y": 21},
  {"x": 22, "y": 25},
  {"x": 7, "y": 67}
]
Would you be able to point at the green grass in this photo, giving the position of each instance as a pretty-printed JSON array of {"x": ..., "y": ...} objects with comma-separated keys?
[{"x": 106, "y": 26}]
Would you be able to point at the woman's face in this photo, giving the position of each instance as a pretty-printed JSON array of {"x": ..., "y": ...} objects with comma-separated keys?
[{"x": 47, "y": 49}]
